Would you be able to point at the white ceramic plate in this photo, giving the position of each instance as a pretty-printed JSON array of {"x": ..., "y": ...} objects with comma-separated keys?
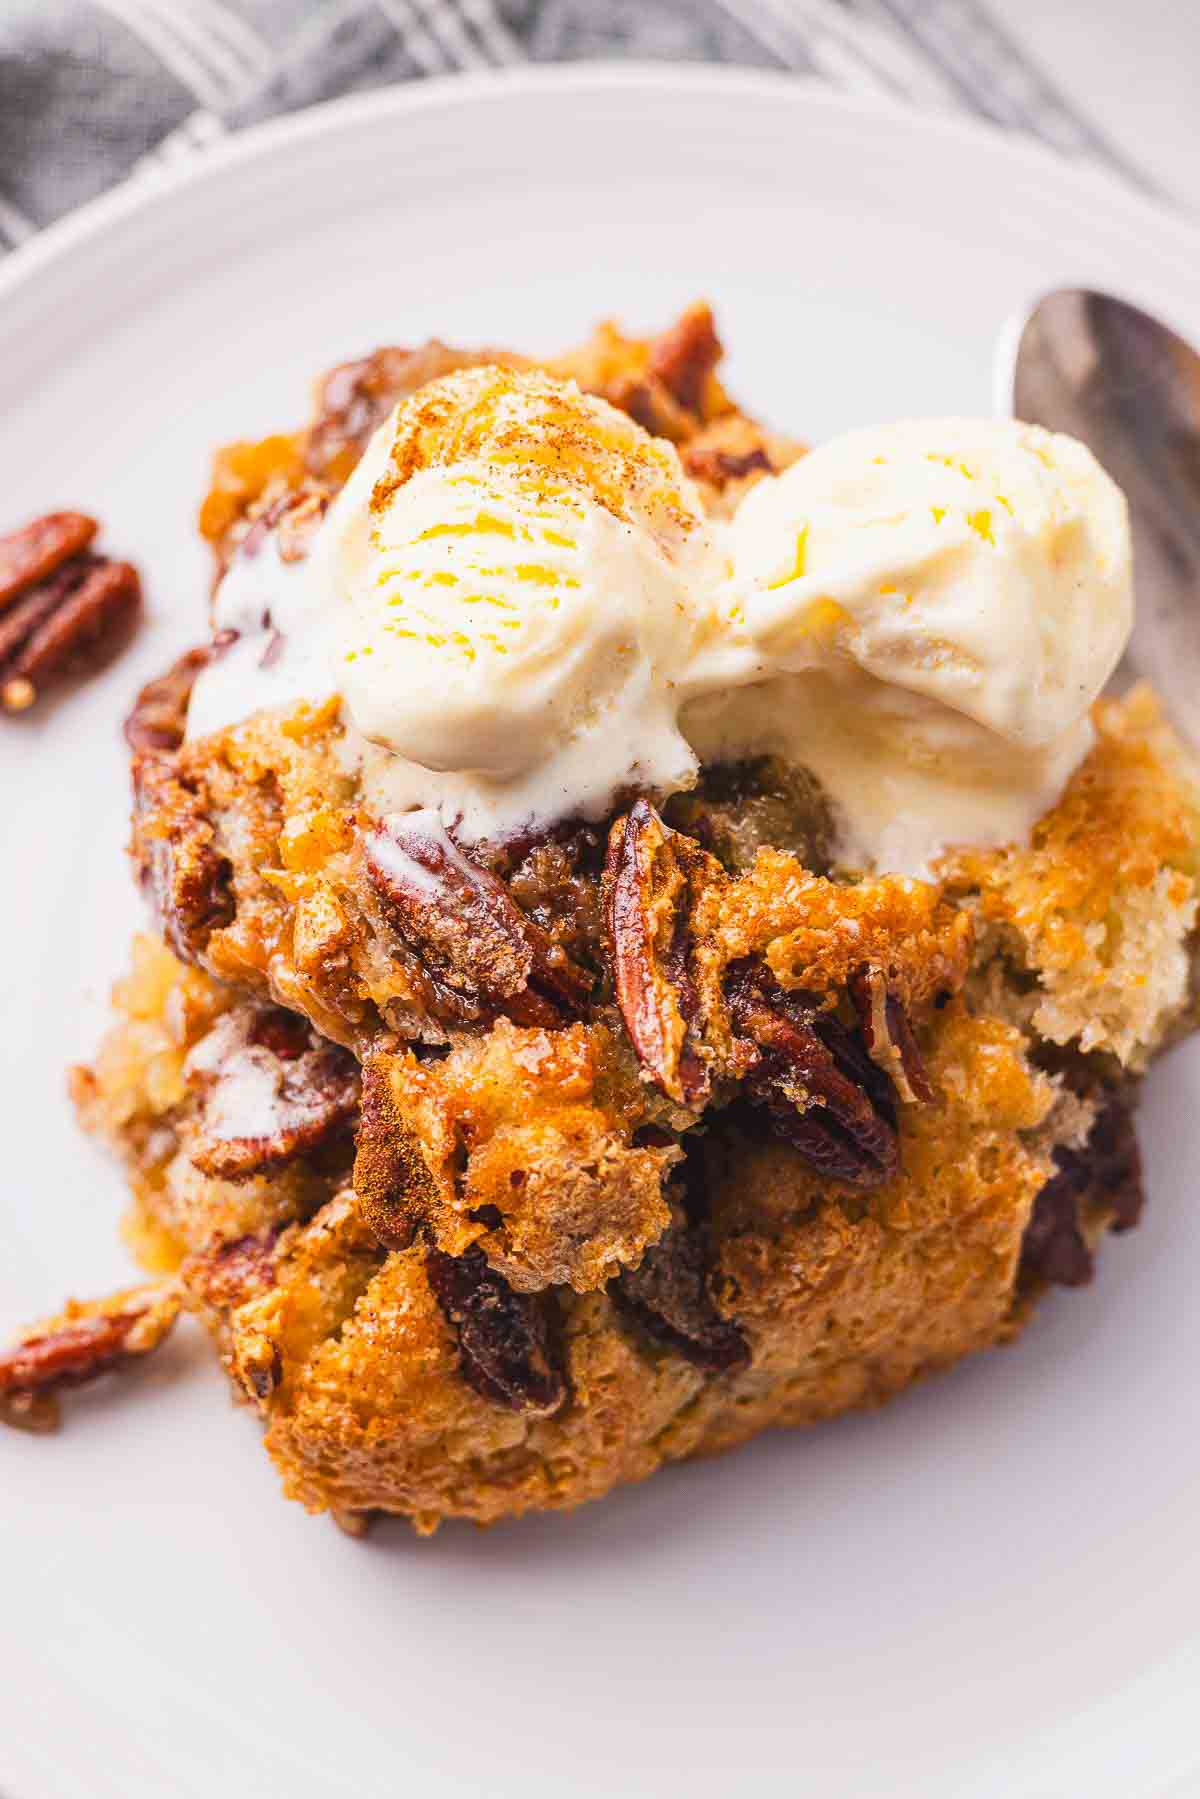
[{"x": 991, "y": 1588}]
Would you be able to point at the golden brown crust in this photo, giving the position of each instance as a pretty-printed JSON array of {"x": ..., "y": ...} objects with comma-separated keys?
[
  {"x": 843, "y": 1303},
  {"x": 521, "y": 1144},
  {"x": 1101, "y": 904},
  {"x": 814, "y": 933},
  {"x": 842, "y": 1297}
]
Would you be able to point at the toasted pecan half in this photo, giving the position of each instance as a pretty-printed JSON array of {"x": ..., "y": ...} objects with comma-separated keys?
[
  {"x": 648, "y": 881},
  {"x": 823, "y": 1093},
  {"x": 272, "y": 1091},
  {"x": 87, "y": 1339},
  {"x": 158, "y": 718},
  {"x": 189, "y": 881},
  {"x": 888, "y": 1036},
  {"x": 63, "y": 610},
  {"x": 27, "y": 556},
  {"x": 467, "y": 930}
]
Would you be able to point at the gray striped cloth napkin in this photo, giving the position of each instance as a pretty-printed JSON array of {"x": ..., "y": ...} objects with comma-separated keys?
[{"x": 90, "y": 93}]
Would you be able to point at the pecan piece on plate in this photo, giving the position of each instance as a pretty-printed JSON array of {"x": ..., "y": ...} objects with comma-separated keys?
[
  {"x": 273, "y": 1091},
  {"x": 63, "y": 610},
  {"x": 505, "y": 1338},
  {"x": 668, "y": 1296},
  {"x": 648, "y": 883},
  {"x": 83, "y": 1342},
  {"x": 1102, "y": 1182},
  {"x": 888, "y": 1036},
  {"x": 823, "y": 1092},
  {"x": 466, "y": 928}
]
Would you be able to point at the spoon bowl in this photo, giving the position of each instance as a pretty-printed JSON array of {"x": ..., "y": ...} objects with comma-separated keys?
[{"x": 1129, "y": 388}]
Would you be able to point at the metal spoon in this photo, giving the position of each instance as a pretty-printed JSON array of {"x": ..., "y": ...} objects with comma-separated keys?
[{"x": 1129, "y": 388}]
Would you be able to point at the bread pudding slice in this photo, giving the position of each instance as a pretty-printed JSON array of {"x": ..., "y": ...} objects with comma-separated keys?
[{"x": 504, "y": 1170}]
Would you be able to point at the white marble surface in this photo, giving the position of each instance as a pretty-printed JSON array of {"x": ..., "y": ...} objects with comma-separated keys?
[{"x": 1134, "y": 66}]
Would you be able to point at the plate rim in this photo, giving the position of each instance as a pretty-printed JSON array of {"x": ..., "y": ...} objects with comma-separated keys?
[{"x": 143, "y": 190}]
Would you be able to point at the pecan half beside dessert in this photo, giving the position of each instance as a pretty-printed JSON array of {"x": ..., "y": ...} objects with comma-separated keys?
[
  {"x": 64, "y": 610},
  {"x": 84, "y": 1341}
]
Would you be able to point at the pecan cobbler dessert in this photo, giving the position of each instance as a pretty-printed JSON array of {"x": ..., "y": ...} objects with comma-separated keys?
[{"x": 658, "y": 933}]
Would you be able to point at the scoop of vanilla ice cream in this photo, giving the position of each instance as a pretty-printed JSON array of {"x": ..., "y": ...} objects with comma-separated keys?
[
  {"x": 981, "y": 562},
  {"x": 489, "y": 622},
  {"x": 930, "y": 607},
  {"x": 515, "y": 563}
]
